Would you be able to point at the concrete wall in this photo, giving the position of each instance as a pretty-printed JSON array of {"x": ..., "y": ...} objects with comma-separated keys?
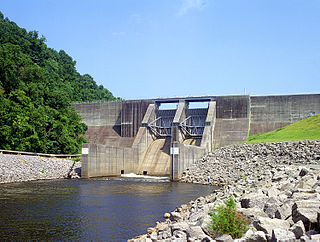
[
  {"x": 144, "y": 137},
  {"x": 182, "y": 157},
  {"x": 102, "y": 160},
  {"x": 180, "y": 115},
  {"x": 113, "y": 123},
  {"x": 207, "y": 138},
  {"x": 232, "y": 120},
  {"x": 100, "y": 114},
  {"x": 273, "y": 112},
  {"x": 132, "y": 115}
]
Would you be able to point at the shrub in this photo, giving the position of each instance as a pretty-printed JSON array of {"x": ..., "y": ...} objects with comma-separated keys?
[
  {"x": 76, "y": 159},
  {"x": 225, "y": 219}
]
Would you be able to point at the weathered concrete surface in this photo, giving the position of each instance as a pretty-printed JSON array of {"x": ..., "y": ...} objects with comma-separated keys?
[
  {"x": 180, "y": 115},
  {"x": 108, "y": 135},
  {"x": 100, "y": 114},
  {"x": 272, "y": 112},
  {"x": 156, "y": 161},
  {"x": 183, "y": 156},
  {"x": 132, "y": 115},
  {"x": 122, "y": 127},
  {"x": 102, "y": 160},
  {"x": 207, "y": 138},
  {"x": 232, "y": 120},
  {"x": 113, "y": 123}
]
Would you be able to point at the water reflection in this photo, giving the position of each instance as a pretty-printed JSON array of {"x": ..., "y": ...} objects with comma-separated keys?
[
  {"x": 37, "y": 210},
  {"x": 96, "y": 209}
]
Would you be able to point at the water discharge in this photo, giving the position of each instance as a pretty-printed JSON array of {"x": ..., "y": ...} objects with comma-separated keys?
[
  {"x": 158, "y": 178},
  {"x": 96, "y": 209}
]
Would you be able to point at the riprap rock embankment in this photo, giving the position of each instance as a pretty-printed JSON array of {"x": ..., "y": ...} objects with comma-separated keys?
[
  {"x": 276, "y": 185},
  {"x": 17, "y": 168},
  {"x": 251, "y": 161}
]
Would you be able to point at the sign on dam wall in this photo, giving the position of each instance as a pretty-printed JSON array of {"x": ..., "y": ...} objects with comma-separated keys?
[{"x": 143, "y": 137}]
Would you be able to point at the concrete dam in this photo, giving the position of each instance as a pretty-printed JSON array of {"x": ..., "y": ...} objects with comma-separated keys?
[{"x": 144, "y": 137}]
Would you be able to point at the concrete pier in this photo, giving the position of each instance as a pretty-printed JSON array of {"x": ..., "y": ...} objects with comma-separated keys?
[{"x": 141, "y": 137}]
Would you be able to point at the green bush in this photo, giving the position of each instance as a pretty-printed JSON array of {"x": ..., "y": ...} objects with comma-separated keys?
[
  {"x": 225, "y": 219},
  {"x": 76, "y": 159}
]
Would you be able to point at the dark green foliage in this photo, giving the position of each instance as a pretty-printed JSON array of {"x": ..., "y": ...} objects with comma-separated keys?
[
  {"x": 37, "y": 86},
  {"x": 225, "y": 219}
]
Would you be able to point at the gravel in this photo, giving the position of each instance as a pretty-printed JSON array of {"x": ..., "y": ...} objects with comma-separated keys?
[{"x": 17, "y": 168}]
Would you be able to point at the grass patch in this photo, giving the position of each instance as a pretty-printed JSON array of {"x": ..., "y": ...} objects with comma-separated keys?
[
  {"x": 225, "y": 219},
  {"x": 306, "y": 129},
  {"x": 76, "y": 159}
]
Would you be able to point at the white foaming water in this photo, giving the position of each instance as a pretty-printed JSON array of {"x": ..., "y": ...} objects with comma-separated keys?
[{"x": 132, "y": 175}]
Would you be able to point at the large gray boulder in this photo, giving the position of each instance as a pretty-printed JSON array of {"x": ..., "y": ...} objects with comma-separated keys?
[
  {"x": 306, "y": 211},
  {"x": 197, "y": 217},
  {"x": 305, "y": 239},
  {"x": 305, "y": 196},
  {"x": 252, "y": 235},
  {"x": 206, "y": 225},
  {"x": 315, "y": 237},
  {"x": 285, "y": 210},
  {"x": 271, "y": 206},
  {"x": 251, "y": 213},
  {"x": 175, "y": 216},
  {"x": 282, "y": 235},
  {"x": 267, "y": 224},
  {"x": 179, "y": 235},
  {"x": 196, "y": 232},
  {"x": 254, "y": 200},
  {"x": 273, "y": 192},
  {"x": 298, "y": 229},
  {"x": 181, "y": 226},
  {"x": 224, "y": 238}
]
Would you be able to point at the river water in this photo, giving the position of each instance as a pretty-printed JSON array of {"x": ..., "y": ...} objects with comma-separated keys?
[{"x": 96, "y": 209}]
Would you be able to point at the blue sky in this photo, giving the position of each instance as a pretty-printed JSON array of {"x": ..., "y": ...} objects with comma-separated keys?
[{"x": 164, "y": 48}]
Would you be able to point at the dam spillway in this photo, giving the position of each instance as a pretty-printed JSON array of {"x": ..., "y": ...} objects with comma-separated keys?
[{"x": 139, "y": 136}]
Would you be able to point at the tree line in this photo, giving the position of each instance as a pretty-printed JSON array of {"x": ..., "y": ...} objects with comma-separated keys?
[{"x": 37, "y": 86}]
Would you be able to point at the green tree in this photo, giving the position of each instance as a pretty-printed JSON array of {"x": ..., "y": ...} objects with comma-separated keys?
[{"x": 37, "y": 86}]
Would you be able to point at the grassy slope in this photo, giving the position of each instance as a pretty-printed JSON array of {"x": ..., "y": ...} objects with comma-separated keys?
[{"x": 308, "y": 128}]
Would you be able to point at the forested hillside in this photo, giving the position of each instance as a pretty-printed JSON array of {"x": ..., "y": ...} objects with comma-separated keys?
[{"x": 37, "y": 85}]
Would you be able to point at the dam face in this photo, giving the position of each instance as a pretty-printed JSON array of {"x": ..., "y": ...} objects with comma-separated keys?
[{"x": 142, "y": 137}]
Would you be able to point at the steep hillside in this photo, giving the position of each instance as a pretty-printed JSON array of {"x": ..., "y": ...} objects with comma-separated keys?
[
  {"x": 308, "y": 128},
  {"x": 37, "y": 85}
]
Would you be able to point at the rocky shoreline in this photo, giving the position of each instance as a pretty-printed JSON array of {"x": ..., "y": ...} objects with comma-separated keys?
[
  {"x": 276, "y": 185},
  {"x": 18, "y": 168}
]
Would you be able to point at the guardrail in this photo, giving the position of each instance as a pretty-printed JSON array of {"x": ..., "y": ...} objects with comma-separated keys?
[{"x": 12, "y": 152}]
